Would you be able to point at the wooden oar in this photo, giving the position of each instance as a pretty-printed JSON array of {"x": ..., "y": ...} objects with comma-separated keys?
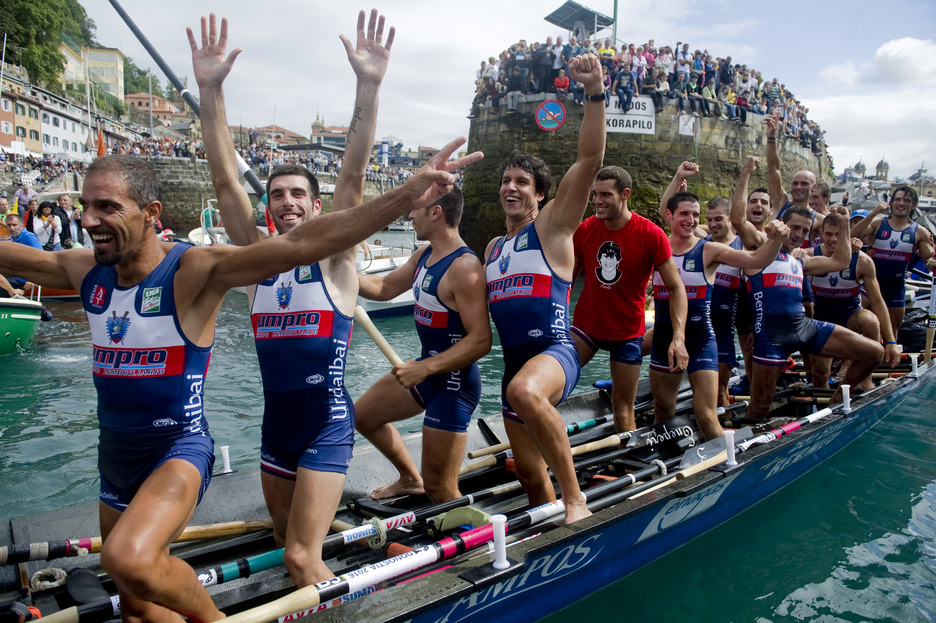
[
  {"x": 361, "y": 317},
  {"x": 51, "y": 550},
  {"x": 931, "y": 322}
]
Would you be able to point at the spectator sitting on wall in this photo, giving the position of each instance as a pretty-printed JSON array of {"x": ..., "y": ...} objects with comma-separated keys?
[
  {"x": 624, "y": 85},
  {"x": 695, "y": 97},
  {"x": 649, "y": 87},
  {"x": 678, "y": 92},
  {"x": 743, "y": 106},
  {"x": 561, "y": 84},
  {"x": 515, "y": 85},
  {"x": 711, "y": 99}
]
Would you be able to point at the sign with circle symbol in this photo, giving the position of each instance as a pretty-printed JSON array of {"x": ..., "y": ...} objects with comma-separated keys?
[{"x": 550, "y": 115}]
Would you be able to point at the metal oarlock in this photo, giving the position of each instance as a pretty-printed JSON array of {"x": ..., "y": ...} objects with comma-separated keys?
[
  {"x": 499, "y": 523},
  {"x": 914, "y": 363},
  {"x": 226, "y": 459},
  {"x": 846, "y": 399},
  {"x": 729, "y": 445}
]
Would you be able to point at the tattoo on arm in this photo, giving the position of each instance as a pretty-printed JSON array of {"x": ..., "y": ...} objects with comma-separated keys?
[{"x": 354, "y": 119}]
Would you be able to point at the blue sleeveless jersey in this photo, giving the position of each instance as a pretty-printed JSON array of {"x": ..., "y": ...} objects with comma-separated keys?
[
  {"x": 838, "y": 291},
  {"x": 891, "y": 252},
  {"x": 438, "y": 325},
  {"x": 727, "y": 284},
  {"x": 778, "y": 289},
  {"x": 301, "y": 337},
  {"x": 527, "y": 300},
  {"x": 149, "y": 376},
  {"x": 691, "y": 266}
]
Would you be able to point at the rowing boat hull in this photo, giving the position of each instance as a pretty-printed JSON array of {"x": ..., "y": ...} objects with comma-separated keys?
[{"x": 19, "y": 321}]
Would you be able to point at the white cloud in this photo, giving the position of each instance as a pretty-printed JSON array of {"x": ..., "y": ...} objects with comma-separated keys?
[
  {"x": 906, "y": 61},
  {"x": 848, "y": 73}
]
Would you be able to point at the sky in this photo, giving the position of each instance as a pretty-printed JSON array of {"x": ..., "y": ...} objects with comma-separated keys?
[{"x": 866, "y": 71}]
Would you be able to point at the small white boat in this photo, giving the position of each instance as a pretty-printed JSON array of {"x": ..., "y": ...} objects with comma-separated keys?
[{"x": 400, "y": 226}]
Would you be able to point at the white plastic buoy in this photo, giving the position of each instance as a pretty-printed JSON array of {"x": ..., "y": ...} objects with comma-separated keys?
[
  {"x": 846, "y": 398},
  {"x": 914, "y": 363},
  {"x": 729, "y": 445},
  {"x": 499, "y": 523},
  {"x": 226, "y": 459}
]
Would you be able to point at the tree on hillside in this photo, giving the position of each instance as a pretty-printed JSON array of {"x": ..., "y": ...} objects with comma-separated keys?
[
  {"x": 77, "y": 23},
  {"x": 136, "y": 80},
  {"x": 34, "y": 32}
]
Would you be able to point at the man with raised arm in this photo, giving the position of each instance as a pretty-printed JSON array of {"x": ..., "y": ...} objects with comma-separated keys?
[
  {"x": 616, "y": 252},
  {"x": 802, "y": 185},
  {"x": 152, "y": 307},
  {"x": 529, "y": 274},
  {"x": 780, "y": 323},
  {"x": 838, "y": 300},
  {"x": 697, "y": 260},
  {"x": 892, "y": 241},
  {"x": 301, "y": 318},
  {"x": 451, "y": 317}
]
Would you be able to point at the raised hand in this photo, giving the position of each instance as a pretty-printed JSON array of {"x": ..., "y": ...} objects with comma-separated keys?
[
  {"x": 370, "y": 57},
  {"x": 772, "y": 124},
  {"x": 751, "y": 163},
  {"x": 587, "y": 70},
  {"x": 687, "y": 169},
  {"x": 434, "y": 180},
  {"x": 777, "y": 230},
  {"x": 210, "y": 63}
]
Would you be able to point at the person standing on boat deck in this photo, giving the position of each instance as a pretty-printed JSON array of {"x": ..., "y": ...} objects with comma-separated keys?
[
  {"x": 308, "y": 418},
  {"x": 697, "y": 260},
  {"x": 780, "y": 323},
  {"x": 616, "y": 252},
  {"x": 152, "y": 307},
  {"x": 838, "y": 300},
  {"x": 452, "y": 322},
  {"x": 892, "y": 240},
  {"x": 800, "y": 188},
  {"x": 529, "y": 274}
]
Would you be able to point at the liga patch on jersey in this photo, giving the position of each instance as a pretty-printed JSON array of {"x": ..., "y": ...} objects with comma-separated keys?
[{"x": 151, "y": 299}]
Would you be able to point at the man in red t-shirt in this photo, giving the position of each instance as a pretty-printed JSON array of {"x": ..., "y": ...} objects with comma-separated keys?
[{"x": 616, "y": 251}]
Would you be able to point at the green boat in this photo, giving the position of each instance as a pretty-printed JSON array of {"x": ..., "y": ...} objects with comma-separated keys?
[{"x": 19, "y": 319}]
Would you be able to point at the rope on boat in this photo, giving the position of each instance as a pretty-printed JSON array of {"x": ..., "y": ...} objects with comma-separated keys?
[
  {"x": 661, "y": 465},
  {"x": 379, "y": 538},
  {"x": 51, "y": 577}
]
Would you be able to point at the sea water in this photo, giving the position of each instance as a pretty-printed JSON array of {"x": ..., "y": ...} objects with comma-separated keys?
[{"x": 854, "y": 540}]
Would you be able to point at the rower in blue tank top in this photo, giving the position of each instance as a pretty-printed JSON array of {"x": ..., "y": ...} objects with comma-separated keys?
[
  {"x": 838, "y": 294},
  {"x": 149, "y": 377}
]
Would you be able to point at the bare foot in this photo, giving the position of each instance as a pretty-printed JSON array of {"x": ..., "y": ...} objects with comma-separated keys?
[
  {"x": 576, "y": 511},
  {"x": 836, "y": 397},
  {"x": 866, "y": 385},
  {"x": 397, "y": 489}
]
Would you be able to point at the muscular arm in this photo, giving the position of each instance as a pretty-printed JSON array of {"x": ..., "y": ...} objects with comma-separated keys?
[
  {"x": 683, "y": 173},
  {"x": 866, "y": 229},
  {"x": 841, "y": 257},
  {"x": 868, "y": 275},
  {"x": 750, "y": 236},
  {"x": 679, "y": 307},
  {"x": 7, "y": 287},
  {"x": 465, "y": 281},
  {"x": 211, "y": 66},
  {"x": 395, "y": 283},
  {"x": 562, "y": 215},
  {"x": 924, "y": 244},
  {"x": 753, "y": 260},
  {"x": 62, "y": 270},
  {"x": 778, "y": 196}
]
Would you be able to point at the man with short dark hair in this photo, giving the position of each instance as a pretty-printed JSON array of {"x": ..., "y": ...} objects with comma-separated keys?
[
  {"x": 609, "y": 314},
  {"x": 892, "y": 241},
  {"x": 529, "y": 273},
  {"x": 156, "y": 303},
  {"x": 454, "y": 331}
]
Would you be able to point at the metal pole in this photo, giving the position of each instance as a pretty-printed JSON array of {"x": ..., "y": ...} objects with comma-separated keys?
[
  {"x": 150, "y": 73},
  {"x": 615, "y": 20}
]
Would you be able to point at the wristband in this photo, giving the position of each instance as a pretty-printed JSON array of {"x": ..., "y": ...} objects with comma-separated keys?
[
  {"x": 771, "y": 139},
  {"x": 886, "y": 343},
  {"x": 597, "y": 97}
]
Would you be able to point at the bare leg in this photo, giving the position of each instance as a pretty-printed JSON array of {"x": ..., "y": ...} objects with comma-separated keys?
[
  {"x": 763, "y": 389},
  {"x": 442, "y": 455},
  {"x": 865, "y": 356},
  {"x": 309, "y": 505},
  {"x": 664, "y": 387},
  {"x": 896, "y": 317},
  {"x": 704, "y": 385},
  {"x": 724, "y": 375},
  {"x": 532, "y": 393},
  {"x": 821, "y": 371},
  {"x": 624, "y": 377},
  {"x": 385, "y": 402},
  {"x": 747, "y": 352},
  {"x": 864, "y": 322},
  {"x": 153, "y": 585}
]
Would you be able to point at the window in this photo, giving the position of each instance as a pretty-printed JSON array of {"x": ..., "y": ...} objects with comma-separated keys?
[
  {"x": 34, "y": 135},
  {"x": 33, "y": 113},
  {"x": 73, "y": 127},
  {"x": 46, "y": 140},
  {"x": 74, "y": 146},
  {"x": 7, "y": 105},
  {"x": 21, "y": 131},
  {"x": 107, "y": 72},
  {"x": 54, "y": 141},
  {"x": 6, "y": 127},
  {"x": 56, "y": 122},
  {"x": 20, "y": 109},
  {"x": 102, "y": 56},
  {"x": 45, "y": 118}
]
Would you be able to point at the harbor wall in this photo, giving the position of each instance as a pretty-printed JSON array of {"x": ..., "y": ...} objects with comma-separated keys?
[{"x": 718, "y": 146}]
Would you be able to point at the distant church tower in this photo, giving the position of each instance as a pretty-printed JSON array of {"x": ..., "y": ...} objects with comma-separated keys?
[
  {"x": 860, "y": 169},
  {"x": 317, "y": 126},
  {"x": 881, "y": 170}
]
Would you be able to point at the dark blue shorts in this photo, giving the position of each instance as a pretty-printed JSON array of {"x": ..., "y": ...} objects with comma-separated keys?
[
  {"x": 125, "y": 462},
  {"x": 835, "y": 315},
  {"x": 894, "y": 292},
  {"x": 744, "y": 319},
  {"x": 700, "y": 344},
  {"x": 780, "y": 336},
  {"x": 724, "y": 326},
  {"x": 514, "y": 360},
  {"x": 450, "y": 399},
  {"x": 808, "y": 296},
  {"x": 622, "y": 351},
  {"x": 311, "y": 428}
]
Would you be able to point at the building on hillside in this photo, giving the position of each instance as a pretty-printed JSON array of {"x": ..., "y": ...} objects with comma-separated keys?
[
  {"x": 328, "y": 136},
  {"x": 107, "y": 65},
  {"x": 163, "y": 109},
  {"x": 64, "y": 127},
  {"x": 280, "y": 136},
  {"x": 425, "y": 153},
  {"x": 27, "y": 127}
]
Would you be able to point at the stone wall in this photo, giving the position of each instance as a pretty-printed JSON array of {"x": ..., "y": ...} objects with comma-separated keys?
[{"x": 719, "y": 147}]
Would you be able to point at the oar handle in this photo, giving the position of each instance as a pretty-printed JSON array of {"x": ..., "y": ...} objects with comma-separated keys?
[
  {"x": 611, "y": 441},
  {"x": 474, "y": 466},
  {"x": 228, "y": 528},
  {"x": 361, "y": 317},
  {"x": 476, "y": 454}
]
